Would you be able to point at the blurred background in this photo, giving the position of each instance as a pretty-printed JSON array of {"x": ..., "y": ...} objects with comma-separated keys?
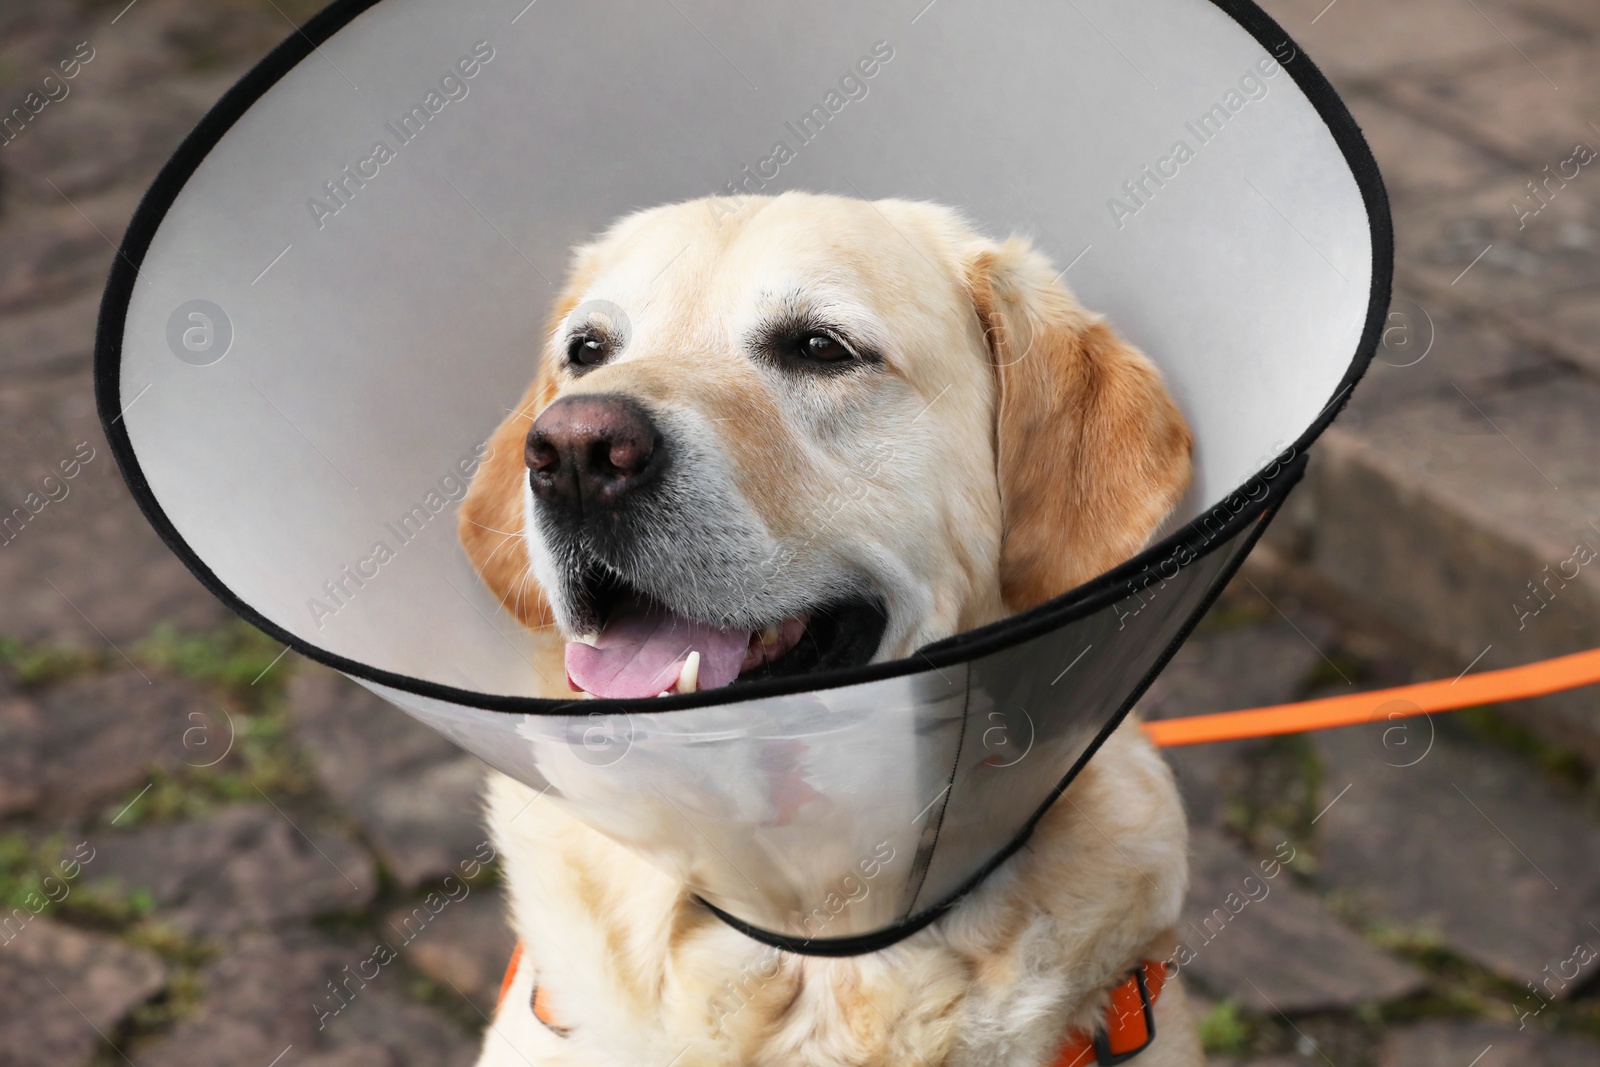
[{"x": 201, "y": 835}]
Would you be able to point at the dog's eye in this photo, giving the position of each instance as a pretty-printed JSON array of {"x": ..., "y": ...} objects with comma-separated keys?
[
  {"x": 799, "y": 346},
  {"x": 587, "y": 350},
  {"x": 822, "y": 347}
]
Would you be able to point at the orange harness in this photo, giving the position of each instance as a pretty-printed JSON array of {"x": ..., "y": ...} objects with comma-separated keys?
[
  {"x": 1127, "y": 1029},
  {"x": 1129, "y": 1024},
  {"x": 541, "y": 1003}
]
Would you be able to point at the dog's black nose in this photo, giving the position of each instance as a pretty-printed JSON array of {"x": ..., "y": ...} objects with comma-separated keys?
[{"x": 591, "y": 451}]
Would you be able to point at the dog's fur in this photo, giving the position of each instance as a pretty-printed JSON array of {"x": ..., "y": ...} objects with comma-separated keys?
[{"x": 1012, "y": 447}]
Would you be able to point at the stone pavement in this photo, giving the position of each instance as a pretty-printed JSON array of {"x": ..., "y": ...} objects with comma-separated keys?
[{"x": 203, "y": 845}]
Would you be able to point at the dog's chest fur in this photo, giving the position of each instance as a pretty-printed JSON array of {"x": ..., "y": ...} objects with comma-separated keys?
[{"x": 641, "y": 973}]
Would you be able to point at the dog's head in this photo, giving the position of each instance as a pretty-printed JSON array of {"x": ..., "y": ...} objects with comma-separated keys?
[{"x": 774, "y": 434}]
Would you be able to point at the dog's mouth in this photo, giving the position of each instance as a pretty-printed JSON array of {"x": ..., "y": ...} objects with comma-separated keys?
[{"x": 643, "y": 648}]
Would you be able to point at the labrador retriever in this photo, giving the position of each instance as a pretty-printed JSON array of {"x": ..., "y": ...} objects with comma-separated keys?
[{"x": 662, "y": 512}]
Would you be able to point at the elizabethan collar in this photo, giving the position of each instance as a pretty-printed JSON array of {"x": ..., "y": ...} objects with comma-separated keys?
[{"x": 333, "y": 286}]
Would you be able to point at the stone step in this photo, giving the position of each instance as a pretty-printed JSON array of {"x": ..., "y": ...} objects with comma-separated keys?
[
  {"x": 1456, "y": 502},
  {"x": 1390, "y": 531}
]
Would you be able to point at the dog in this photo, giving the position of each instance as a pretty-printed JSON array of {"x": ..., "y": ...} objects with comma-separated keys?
[{"x": 712, "y": 371}]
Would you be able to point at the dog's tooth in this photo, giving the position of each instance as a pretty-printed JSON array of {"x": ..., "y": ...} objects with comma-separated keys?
[
  {"x": 689, "y": 676},
  {"x": 769, "y": 635},
  {"x": 587, "y": 639}
]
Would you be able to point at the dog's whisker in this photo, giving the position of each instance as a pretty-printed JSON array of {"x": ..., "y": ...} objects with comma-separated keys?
[
  {"x": 508, "y": 539},
  {"x": 491, "y": 529},
  {"x": 522, "y": 581}
]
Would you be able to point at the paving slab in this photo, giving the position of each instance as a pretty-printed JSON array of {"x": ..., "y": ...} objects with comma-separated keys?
[
  {"x": 1433, "y": 353},
  {"x": 1272, "y": 947},
  {"x": 19, "y": 770},
  {"x": 1355, "y": 40},
  {"x": 1250, "y": 666},
  {"x": 59, "y": 985},
  {"x": 465, "y": 946},
  {"x": 1453, "y": 838},
  {"x": 85, "y": 568},
  {"x": 24, "y": 37},
  {"x": 83, "y": 743},
  {"x": 1488, "y": 255},
  {"x": 413, "y": 1035},
  {"x": 1421, "y": 163},
  {"x": 125, "y": 111},
  {"x": 1570, "y": 16},
  {"x": 1534, "y": 106},
  {"x": 1569, "y": 319},
  {"x": 353, "y": 1056},
  {"x": 415, "y": 795},
  {"x": 130, "y": 143},
  {"x": 60, "y": 246},
  {"x": 50, "y": 339},
  {"x": 243, "y": 868},
  {"x": 274, "y": 993},
  {"x": 1457, "y": 1043}
]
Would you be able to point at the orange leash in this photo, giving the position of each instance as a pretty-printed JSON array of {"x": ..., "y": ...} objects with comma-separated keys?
[{"x": 1490, "y": 687}]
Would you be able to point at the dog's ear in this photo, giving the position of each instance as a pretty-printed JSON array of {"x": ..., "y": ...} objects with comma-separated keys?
[
  {"x": 1091, "y": 451},
  {"x": 489, "y": 522},
  {"x": 490, "y": 519}
]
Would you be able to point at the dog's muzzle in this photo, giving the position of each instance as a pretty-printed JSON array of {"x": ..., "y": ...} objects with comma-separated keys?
[{"x": 839, "y": 820}]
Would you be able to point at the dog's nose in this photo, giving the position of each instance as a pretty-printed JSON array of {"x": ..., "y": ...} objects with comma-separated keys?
[{"x": 588, "y": 451}]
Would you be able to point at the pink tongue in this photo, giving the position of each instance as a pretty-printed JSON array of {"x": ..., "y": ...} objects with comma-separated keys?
[{"x": 642, "y": 650}]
